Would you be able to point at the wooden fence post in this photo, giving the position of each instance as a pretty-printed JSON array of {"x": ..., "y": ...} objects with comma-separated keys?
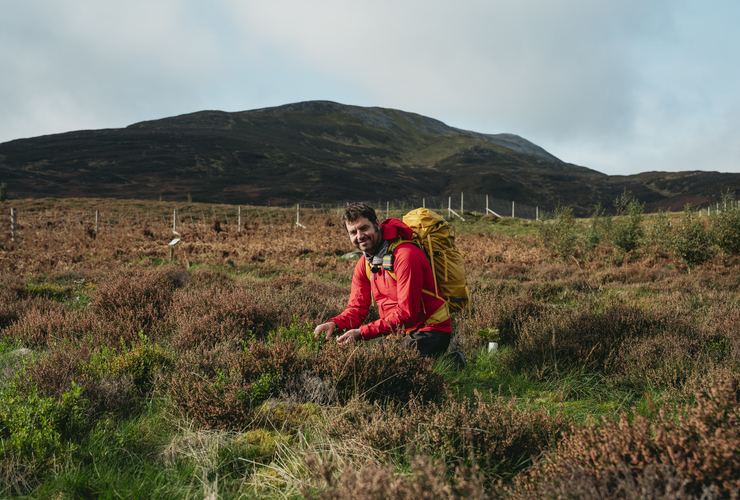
[
  {"x": 298, "y": 216},
  {"x": 13, "y": 223},
  {"x": 239, "y": 219},
  {"x": 97, "y": 218}
]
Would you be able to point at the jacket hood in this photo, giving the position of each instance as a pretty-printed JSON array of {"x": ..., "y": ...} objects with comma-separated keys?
[{"x": 393, "y": 228}]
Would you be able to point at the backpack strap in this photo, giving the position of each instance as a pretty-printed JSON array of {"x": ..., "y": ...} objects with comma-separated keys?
[
  {"x": 388, "y": 260},
  {"x": 442, "y": 313}
]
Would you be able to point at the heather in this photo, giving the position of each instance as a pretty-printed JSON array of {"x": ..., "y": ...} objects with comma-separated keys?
[{"x": 130, "y": 367}]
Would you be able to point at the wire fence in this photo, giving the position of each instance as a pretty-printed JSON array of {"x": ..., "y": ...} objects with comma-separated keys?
[
  {"x": 460, "y": 203},
  {"x": 16, "y": 224}
]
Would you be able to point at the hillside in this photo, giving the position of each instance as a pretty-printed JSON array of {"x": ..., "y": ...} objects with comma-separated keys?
[{"x": 320, "y": 152}]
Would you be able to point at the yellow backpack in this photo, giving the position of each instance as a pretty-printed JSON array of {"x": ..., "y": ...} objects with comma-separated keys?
[{"x": 436, "y": 237}]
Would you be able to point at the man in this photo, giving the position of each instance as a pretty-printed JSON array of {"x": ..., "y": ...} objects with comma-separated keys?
[{"x": 407, "y": 303}]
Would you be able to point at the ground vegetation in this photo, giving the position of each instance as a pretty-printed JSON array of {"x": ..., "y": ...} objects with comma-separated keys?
[{"x": 132, "y": 367}]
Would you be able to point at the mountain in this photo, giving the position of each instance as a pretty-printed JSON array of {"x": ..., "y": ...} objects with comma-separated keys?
[{"x": 322, "y": 152}]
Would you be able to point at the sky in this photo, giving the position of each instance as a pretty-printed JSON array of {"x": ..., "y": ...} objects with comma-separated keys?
[{"x": 621, "y": 87}]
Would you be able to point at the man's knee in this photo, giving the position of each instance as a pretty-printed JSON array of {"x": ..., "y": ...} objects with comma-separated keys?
[{"x": 428, "y": 343}]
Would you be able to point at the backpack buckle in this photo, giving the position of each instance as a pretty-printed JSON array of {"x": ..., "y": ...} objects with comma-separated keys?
[{"x": 388, "y": 261}]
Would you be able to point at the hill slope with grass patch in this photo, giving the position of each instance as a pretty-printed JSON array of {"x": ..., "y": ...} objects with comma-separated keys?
[{"x": 321, "y": 152}]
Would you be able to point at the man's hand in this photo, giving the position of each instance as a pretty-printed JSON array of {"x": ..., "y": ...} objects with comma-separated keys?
[
  {"x": 327, "y": 328},
  {"x": 350, "y": 336}
]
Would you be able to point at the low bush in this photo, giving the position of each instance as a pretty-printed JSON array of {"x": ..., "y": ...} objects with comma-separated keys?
[
  {"x": 383, "y": 371},
  {"x": 36, "y": 433},
  {"x": 725, "y": 227},
  {"x": 570, "y": 339},
  {"x": 626, "y": 230},
  {"x": 209, "y": 386},
  {"x": 12, "y": 299},
  {"x": 136, "y": 301},
  {"x": 72, "y": 363},
  {"x": 217, "y": 314},
  {"x": 497, "y": 436},
  {"x": 427, "y": 479},
  {"x": 142, "y": 362},
  {"x": 691, "y": 241},
  {"x": 279, "y": 357},
  {"x": 560, "y": 235},
  {"x": 695, "y": 448}
]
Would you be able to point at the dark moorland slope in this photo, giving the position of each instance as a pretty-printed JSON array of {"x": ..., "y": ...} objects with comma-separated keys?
[{"x": 323, "y": 152}]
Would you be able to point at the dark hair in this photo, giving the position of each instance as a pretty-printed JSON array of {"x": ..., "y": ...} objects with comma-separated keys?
[{"x": 354, "y": 211}]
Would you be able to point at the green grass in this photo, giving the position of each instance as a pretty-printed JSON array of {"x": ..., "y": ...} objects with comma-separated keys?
[{"x": 577, "y": 394}]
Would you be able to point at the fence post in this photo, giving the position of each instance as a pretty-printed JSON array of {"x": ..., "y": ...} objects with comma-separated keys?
[
  {"x": 512, "y": 209},
  {"x": 461, "y": 203},
  {"x": 298, "y": 216},
  {"x": 174, "y": 221},
  {"x": 97, "y": 217},
  {"x": 239, "y": 218},
  {"x": 423, "y": 203},
  {"x": 537, "y": 213},
  {"x": 13, "y": 223},
  {"x": 387, "y": 209}
]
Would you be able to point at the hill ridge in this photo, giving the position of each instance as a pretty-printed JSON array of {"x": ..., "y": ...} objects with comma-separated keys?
[{"x": 322, "y": 151}]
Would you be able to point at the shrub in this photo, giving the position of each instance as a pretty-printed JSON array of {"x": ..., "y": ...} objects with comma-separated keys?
[
  {"x": 73, "y": 364},
  {"x": 427, "y": 479},
  {"x": 698, "y": 446},
  {"x": 279, "y": 357},
  {"x": 666, "y": 360},
  {"x": 725, "y": 227},
  {"x": 691, "y": 242},
  {"x": 307, "y": 387},
  {"x": 141, "y": 362},
  {"x": 379, "y": 371},
  {"x": 598, "y": 229},
  {"x": 659, "y": 232},
  {"x": 35, "y": 433},
  {"x": 559, "y": 235},
  {"x": 626, "y": 231},
  {"x": 12, "y": 300},
  {"x": 508, "y": 314},
  {"x": 217, "y": 314},
  {"x": 135, "y": 302},
  {"x": 567, "y": 340},
  {"x": 497, "y": 436},
  {"x": 216, "y": 403},
  {"x": 209, "y": 386}
]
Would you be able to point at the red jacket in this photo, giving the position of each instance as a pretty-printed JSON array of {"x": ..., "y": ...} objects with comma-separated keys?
[{"x": 401, "y": 303}]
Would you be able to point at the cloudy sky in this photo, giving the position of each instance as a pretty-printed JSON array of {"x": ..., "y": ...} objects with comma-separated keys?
[{"x": 622, "y": 86}]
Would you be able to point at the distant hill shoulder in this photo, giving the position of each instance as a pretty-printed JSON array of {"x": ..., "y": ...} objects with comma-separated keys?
[{"x": 317, "y": 151}]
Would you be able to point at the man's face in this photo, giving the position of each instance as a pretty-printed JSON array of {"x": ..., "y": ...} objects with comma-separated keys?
[{"x": 364, "y": 235}]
